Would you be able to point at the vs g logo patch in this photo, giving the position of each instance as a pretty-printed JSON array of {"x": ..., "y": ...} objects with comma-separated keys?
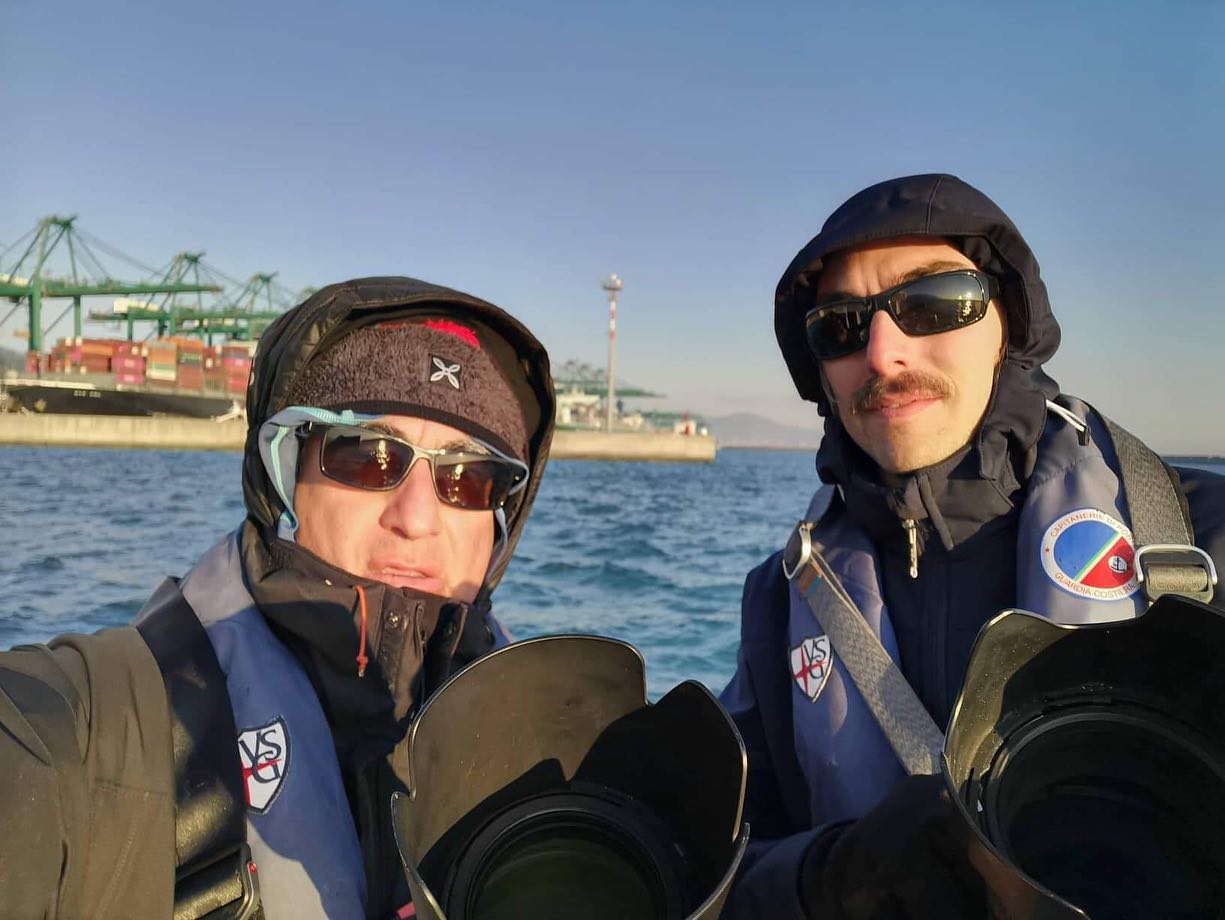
[
  {"x": 811, "y": 662},
  {"x": 264, "y": 753}
]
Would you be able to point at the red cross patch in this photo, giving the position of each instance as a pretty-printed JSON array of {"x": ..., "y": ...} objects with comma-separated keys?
[
  {"x": 811, "y": 662},
  {"x": 264, "y": 753}
]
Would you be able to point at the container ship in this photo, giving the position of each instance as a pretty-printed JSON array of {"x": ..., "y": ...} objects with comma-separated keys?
[{"x": 175, "y": 376}]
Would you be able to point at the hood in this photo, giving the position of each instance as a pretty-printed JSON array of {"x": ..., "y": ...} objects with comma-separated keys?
[
  {"x": 929, "y": 205},
  {"x": 965, "y": 492},
  {"x": 937, "y": 206},
  {"x": 339, "y": 309}
]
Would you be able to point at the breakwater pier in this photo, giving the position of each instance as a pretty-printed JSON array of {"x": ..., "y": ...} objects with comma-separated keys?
[{"x": 167, "y": 433}]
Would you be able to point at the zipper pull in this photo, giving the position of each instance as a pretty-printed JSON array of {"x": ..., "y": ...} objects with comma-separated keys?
[{"x": 912, "y": 537}]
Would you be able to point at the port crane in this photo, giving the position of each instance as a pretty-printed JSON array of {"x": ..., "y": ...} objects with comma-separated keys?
[
  {"x": 244, "y": 315},
  {"x": 172, "y": 298},
  {"x": 27, "y": 280}
]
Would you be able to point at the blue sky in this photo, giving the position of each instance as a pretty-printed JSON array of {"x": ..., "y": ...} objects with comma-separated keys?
[{"x": 523, "y": 151}]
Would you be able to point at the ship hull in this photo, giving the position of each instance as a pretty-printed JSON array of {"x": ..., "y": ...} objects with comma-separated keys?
[{"x": 67, "y": 399}]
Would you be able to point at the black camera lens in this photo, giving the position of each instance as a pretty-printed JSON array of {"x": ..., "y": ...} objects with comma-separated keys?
[
  {"x": 1088, "y": 762},
  {"x": 545, "y": 786},
  {"x": 568, "y": 855},
  {"x": 1128, "y": 796}
]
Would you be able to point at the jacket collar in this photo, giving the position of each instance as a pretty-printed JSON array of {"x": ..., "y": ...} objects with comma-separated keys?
[
  {"x": 958, "y": 496},
  {"x": 316, "y": 610}
]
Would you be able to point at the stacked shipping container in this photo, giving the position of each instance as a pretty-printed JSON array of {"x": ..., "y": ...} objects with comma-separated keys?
[
  {"x": 189, "y": 364},
  {"x": 128, "y": 362},
  {"x": 162, "y": 356},
  {"x": 180, "y": 363},
  {"x": 236, "y": 366}
]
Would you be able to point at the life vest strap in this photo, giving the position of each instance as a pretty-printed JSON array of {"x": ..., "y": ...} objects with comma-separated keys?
[
  {"x": 906, "y": 723},
  {"x": 215, "y": 876},
  {"x": 1167, "y": 560}
]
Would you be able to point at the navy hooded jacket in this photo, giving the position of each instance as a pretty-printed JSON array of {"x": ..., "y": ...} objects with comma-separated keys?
[{"x": 966, "y": 508}]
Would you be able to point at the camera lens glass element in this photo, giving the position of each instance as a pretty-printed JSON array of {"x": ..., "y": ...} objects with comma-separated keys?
[
  {"x": 568, "y": 871},
  {"x": 566, "y": 856},
  {"x": 1121, "y": 812}
]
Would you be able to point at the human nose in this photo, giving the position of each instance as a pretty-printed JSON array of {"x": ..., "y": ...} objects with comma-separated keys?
[
  {"x": 889, "y": 348},
  {"x": 412, "y": 508}
]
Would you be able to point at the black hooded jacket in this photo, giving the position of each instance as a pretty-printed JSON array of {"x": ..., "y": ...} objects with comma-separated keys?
[
  {"x": 88, "y": 746},
  {"x": 415, "y": 641},
  {"x": 966, "y": 506},
  {"x": 967, "y": 510},
  {"x": 282, "y": 574}
]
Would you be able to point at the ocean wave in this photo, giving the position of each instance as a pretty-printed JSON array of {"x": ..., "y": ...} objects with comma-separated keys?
[{"x": 654, "y": 554}]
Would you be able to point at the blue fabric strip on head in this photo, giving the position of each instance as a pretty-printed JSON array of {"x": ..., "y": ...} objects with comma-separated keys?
[{"x": 278, "y": 448}]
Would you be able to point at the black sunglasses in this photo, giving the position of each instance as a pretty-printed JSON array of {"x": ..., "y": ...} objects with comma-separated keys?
[
  {"x": 366, "y": 458},
  {"x": 926, "y": 306}
]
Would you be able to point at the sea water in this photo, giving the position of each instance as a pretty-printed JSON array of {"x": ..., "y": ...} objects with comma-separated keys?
[{"x": 652, "y": 553}]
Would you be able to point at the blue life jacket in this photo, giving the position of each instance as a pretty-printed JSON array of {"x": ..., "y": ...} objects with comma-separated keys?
[
  {"x": 263, "y": 824},
  {"x": 299, "y": 826},
  {"x": 817, "y": 756},
  {"x": 1073, "y": 514}
]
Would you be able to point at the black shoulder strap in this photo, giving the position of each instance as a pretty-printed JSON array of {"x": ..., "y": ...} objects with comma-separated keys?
[
  {"x": 1167, "y": 559},
  {"x": 901, "y": 715},
  {"x": 215, "y": 877}
]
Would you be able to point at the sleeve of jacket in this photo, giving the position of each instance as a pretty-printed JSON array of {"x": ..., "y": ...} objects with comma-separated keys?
[
  {"x": 1205, "y": 493},
  {"x": 41, "y": 727},
  {"x": 759, "y": 701},
  {"x": 88, "y": 780}
]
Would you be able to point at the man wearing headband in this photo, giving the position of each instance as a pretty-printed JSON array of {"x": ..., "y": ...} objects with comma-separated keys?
[
  {"x": 397, "y": 435},
  {"x": 960, "y": 482}
]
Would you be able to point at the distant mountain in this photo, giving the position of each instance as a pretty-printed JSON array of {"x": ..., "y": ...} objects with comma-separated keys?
[{"x": 747, "y": 429}]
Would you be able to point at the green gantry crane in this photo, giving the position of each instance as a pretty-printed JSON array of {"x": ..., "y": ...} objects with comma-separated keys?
[
  {"x": 243, "y": 316},
  {"x": 576, "y": 376},
  {"x": 50, "y": 233}
]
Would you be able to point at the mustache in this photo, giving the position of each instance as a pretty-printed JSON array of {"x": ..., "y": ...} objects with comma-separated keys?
[{"x": 916, "y": 383}]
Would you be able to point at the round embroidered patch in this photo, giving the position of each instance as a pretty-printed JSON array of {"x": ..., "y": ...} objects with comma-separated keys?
[{"x": 1090, "y": 554}]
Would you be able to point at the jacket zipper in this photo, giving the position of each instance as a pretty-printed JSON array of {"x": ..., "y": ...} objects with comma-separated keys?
[{"x": 912, "y": 539}]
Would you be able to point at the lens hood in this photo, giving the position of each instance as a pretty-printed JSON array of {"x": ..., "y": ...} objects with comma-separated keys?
[
  {"x": 1089, "y": 764},
  {"x": 543, "y": 783}
]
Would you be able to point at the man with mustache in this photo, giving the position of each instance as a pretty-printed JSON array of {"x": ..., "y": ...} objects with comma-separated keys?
[
  {"x": 917, "y": 322},
  {"x": 235, "y": 754}
]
